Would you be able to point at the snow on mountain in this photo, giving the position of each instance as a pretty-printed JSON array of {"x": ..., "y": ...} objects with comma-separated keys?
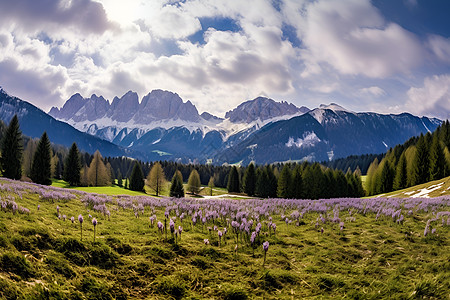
[
  {"x": 262, "y": 109},
  {"x": 166, "y": 110}
]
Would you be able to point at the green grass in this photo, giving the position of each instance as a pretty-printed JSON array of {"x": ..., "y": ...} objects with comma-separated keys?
[
  {"x": 112, "y": 190},
  {"x": 437, "y": 188},
  {"x": 42, "y": 257}
]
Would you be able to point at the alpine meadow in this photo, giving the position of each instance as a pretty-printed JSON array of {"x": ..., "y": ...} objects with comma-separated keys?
[{"x": 230, "y": 150}]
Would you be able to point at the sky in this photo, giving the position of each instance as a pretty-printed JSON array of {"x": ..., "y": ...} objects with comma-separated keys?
[{"x": 386, "y": 56}]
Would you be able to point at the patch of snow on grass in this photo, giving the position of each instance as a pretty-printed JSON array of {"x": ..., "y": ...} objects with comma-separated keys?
[{"x": 424, "y": 192}]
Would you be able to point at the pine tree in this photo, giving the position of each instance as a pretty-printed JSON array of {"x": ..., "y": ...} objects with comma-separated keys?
[
  {"x": 371, "y": 177},
  {"x": 41, "y": 167},
  {"x": 137, "y": 178},
  {"x": 193, "y": 185},
  {"x": 250, "y": 180},
  {"x": 84, "y": 175},
  {"x": 98, "y": 175},
  {"x": 284, "y": 183},
  {"x": 233, "y": 181},
  {"x": 261, "y": 183},
  {"x": 119, "y": 178},
  {"x": 156, "y": 179},
  {"x": 401, "y": 175},
  {"x": 297, "y": 183},
  {"x": 386, "y": 177},
  {"x": 421, "y": 165},
  {"x": 272, "y": 182},
  {"x": 11, "y": 151},
  {"x": 437, "y": 159},
  {"x": 176, "y": 186},
  {"x": 72, "y": 168},
  {"x": 211, "y": 185},
  {"x": 28, "y": 156}
]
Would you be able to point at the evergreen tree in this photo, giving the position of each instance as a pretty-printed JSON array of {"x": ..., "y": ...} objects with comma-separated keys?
[
  {"x": 137, "y": 178},
  {"x": 84, "y": 175},
  {"x": 41, "y": 167},
  {"x": 250, "y": 180},
  {"x": 371, "y": 177},
  {"x": 176, "y": 186},
  {"x": 194, "y": 184},
  {"x": 437, "y": 159},
  {"x": 119, "y": 178},
  {"x": 272, "y": 182},
  {"x": 98, "y": 175},
  {"x": 386, "y": 177},
  {"x": 28, "y": 156},
  {"x": 72, "y": 168},
  {"x": 11, "y": 151},
  {"x": 156, "y": 179},
  {"x": 401, "y": 175},
  {"x": 211, "y": 185},
  {"x": 233, "y": 181},
  {"x": 284, "y": 183},
  {"x": 421, "y": 169},
  {"x": 261, "y": 183},
  {"x": 297, "y": 183}
]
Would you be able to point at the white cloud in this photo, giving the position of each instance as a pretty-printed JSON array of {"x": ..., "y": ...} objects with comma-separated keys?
[
  {"x": 353, "y": 37},
  {"x": 431, "y": 99},
  {"x": 373, "y": 91},
  {"x": 440, "y": 47}
]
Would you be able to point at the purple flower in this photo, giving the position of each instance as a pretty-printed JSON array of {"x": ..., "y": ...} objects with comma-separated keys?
[
  {"x": 80, "y": 218},
  {"x": 266, "y": 246},
  {"x": 39, "y": 206},
  {"x": 57, "y": 209},
  {"x": 180, "y": 229},
  {"x": 94, "y": 222},
  {"x": 72, "y": 219},
  {"x": 219, "y": 233},
  {"x": 253, "y": 237},
  {"x": 321, "y": 230},
  {"x": 206, "y": 241},
  {"x": 172, "y": 226},
  {"x": 433, "y": 231}
]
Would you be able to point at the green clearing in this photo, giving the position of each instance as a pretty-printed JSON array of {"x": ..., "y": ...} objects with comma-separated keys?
[{"x": 42, "y": 257}]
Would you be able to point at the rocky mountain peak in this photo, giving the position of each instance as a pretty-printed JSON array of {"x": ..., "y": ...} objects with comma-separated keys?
[{"x": 262, "y": 108}]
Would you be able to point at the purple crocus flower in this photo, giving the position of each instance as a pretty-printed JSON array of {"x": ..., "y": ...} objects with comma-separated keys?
[
  {"x": 72, "y": 219},
  {"x": 266, "y": 246},
  {"x": 39, "y": 206},
  {"x": 206, "y": 241},
  {"x": 80, "y": 219}
]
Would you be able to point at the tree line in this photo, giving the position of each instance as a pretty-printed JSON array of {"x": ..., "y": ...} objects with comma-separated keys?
[
  {"x": 40, "y": 162},
  {"x": 419, "y": 160},
  {"x": 299, "y": 181}
]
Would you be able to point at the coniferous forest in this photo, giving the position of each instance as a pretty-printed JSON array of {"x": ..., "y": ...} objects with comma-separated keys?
[{"x": 419, "y": 160}]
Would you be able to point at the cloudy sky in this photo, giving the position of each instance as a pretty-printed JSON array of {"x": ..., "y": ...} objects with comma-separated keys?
[{"x": 385, "y": 56}]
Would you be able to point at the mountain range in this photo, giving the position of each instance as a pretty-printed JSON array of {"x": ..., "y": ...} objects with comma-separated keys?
[{"x": 161, "y": 126}]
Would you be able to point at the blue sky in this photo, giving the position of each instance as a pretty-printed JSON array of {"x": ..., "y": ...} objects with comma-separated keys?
[{"x": 387, "y": 56}]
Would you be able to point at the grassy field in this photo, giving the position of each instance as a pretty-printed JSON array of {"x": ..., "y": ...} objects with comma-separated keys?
[
  {"x": 380, "y": 252},
  {"x": 435, "y": 188}
]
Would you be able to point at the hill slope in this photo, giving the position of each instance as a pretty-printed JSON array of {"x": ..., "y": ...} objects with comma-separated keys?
[{"x": 435, "y": 188}]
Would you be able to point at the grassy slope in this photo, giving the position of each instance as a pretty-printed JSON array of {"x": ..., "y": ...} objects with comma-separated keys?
[
  {"x": 436, "y": 188},
  {"x": 370, "y": 259}
]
